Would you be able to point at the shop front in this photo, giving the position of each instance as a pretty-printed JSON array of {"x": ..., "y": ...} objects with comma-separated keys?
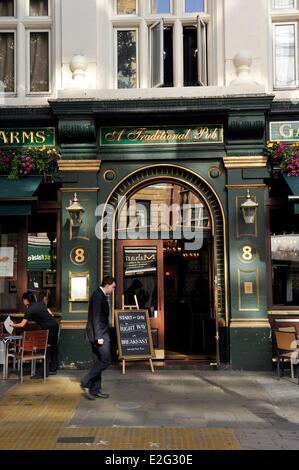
[{"x": 162, "y": 186}]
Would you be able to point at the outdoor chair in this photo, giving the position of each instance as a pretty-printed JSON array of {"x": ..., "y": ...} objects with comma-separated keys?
[
  {"x": 32, "y": 348},
  {"x": 287, "y": 348}
]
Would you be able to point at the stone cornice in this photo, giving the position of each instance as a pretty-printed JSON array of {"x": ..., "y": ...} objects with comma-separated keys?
[{"x": 68, "y": 107}]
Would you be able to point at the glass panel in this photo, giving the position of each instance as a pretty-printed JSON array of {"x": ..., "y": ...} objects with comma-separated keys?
[
  {"x": 42, "y": 266},
  {"x": 140, "y": 278},
  {"x": 157, "y": 54},
  {"x": 284, "y": 52},
  {"x": 283, "y": 4},
  {"x": 7, "y": 65},
  {"x": 192, "y": 6},
  {"x": 163, "y": 211},
  {"x": 7, "y": 8},
  {"x": 38, "y": 8},
  {"x": 160, "y": 6},
  {"x": 126, "y": 59},
  {"x": 39, "y": 62},
  {"x": 126, "y": 7},
  {"x": 8, "y": 266},
  {"x": 285, "y": 257}
]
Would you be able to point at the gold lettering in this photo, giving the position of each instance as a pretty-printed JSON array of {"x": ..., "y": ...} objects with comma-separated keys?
[
  {"x": 286, "y": 131},
  {"x": 41, "y": 136},
  {"x": 14, "y": 136},
  {"x": 3, "y": 137},
  {"x": 28, "y": 136}
]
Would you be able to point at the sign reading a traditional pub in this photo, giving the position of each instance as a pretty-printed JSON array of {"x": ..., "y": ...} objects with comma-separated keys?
[
  {"x": 284, "y": 131},
  {"x": 175, "y": 135},
  {"x": 134, "y": 337},
  {"x": 27, "y": 137}
]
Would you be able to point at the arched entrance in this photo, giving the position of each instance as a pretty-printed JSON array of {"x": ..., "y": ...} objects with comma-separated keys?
[{"x": 168, "y": 249}]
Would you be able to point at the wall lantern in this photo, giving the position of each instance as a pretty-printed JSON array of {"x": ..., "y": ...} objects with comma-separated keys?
[
  {"x": 249, "y": 208},
  {"x": 75, "y": 211}
]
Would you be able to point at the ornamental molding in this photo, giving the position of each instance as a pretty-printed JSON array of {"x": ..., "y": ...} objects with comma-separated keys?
[
  {"x": 245, "y": 162},
  {"x": 73, "y": 324},
  {"x": 84, "y": 166},
  {"x": 250, "y": 323}
]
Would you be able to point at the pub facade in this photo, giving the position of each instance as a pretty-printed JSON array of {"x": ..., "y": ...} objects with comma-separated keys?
[{"x": 167, "y": 186}]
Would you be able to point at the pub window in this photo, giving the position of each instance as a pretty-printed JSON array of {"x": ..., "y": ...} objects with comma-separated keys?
[
  {"x": 161, "y": 6},
  {"x": 126, "y": 7},
  {"x": 284, "y": 226},
  {"x": 9, "y": 264},
  {"x": 7, "y": 62},
  {"x": 38, "y": 8},
  {"x": 285, "y": 54},
  {"x": 39, "y": 62},
  {"x": 42, "y": 258},
  {"x": 127, "y": 67},
  {"x": 283, "y": 4},
  {"x": 7, "y": 8},
  {"x": 193, "y": 6}
]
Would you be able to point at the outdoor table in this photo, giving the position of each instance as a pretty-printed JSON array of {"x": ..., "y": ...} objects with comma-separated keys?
[{"x": 6, "y": 339}]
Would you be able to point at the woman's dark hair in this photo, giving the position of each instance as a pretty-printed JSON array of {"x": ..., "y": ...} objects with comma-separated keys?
[{"x": 28, "y": 295}]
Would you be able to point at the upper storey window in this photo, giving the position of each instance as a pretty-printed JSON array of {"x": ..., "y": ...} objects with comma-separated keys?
[
  {"x": 193, "y": 6},
  {"x": 161, "y": 6},
  {"x": 285, "y": 43},
  {"x": 163, "y": 45},
  {"x": 7, "y": 8},
  {"x": 33, "y": 37},
  {"x": 38, "y": 8},
  {"x": 126, "y": 7},
  {"x": 283, "y": 4}
]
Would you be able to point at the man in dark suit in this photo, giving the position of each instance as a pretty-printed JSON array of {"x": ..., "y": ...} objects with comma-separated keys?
[{"x": 97, "y": 331}]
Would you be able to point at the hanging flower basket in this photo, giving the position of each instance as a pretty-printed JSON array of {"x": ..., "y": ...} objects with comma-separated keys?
[
  {"x": 283, "y": 158},
  {"x": 29, "y": 161}
]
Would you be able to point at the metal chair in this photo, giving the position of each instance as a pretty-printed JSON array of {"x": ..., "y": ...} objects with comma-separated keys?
[
  {"x": 33, "y": 347},
  {"x": 287, "y": 348}
]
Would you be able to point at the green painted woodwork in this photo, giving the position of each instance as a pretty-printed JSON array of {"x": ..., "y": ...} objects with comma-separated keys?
[
  {"x": 251, "y": 349},
  {"x": 74, "y": 350}
]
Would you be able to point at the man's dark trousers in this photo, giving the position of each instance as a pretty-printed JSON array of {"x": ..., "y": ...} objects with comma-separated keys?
[{"x": 101, "y": 360}]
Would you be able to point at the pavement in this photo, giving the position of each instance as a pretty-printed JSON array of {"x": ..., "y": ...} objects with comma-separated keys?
[{"x": 171, "y": 409}]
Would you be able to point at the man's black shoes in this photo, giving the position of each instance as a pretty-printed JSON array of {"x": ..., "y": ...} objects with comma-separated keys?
[
  {"x": 87, "y": 393},
  {"x": 101, "y": 395}
]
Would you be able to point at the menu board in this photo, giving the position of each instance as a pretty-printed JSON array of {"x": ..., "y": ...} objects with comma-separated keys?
[{"x": 133, "y": 334}]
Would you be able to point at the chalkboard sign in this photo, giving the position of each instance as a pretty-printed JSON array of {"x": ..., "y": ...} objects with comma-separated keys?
[{"x": 133, "y": 334}]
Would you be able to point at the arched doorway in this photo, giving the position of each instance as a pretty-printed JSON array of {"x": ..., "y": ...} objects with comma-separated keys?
[{"x": 154, "y": 257}]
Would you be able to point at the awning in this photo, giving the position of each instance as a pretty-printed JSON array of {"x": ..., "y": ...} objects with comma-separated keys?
[
  {"x": 17, "y": 196},
  {"x": 293, "y": 184}
]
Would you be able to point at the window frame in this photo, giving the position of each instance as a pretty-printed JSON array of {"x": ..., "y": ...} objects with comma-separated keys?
[
  {"x": 160, "y": 24},
  {"x": 286, "y": 23},
  {"x": 125, "y": 28},
  {"x": 28, "y": 82}
]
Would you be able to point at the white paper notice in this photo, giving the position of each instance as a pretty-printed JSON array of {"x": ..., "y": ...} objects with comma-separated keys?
[{"x": 7, "y": 326}]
